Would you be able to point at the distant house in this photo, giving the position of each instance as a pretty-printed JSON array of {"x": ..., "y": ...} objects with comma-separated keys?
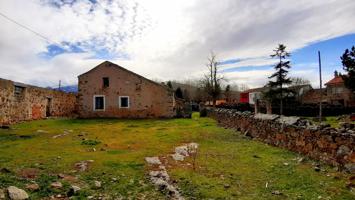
[
  {"x": 251, "y": 96},
  {"x": 335, "y": 93},
  {"x": 338, "y": 94},
  {"x": 109, "y": 90}
]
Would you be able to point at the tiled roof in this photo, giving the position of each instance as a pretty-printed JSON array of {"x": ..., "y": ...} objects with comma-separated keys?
[{"x": 335, "y": 80}]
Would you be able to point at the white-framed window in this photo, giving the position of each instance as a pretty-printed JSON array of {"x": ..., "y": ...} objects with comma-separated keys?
[
  {"x": 99, "y": 102},
  {"x": 123, "y": 101}
]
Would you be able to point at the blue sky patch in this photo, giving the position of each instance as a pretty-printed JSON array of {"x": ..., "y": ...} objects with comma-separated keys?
[
  {"x": 55, "y": 50},
  {"x": 307, "y": 57}
]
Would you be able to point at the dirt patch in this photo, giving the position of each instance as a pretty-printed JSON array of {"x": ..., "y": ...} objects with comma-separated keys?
[{"x": 29, "y": 173}]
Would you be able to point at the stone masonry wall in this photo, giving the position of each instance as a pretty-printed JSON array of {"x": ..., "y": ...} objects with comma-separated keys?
[
  {"x": 333, "y": 146},
  {"x": 20, "y": 102}
]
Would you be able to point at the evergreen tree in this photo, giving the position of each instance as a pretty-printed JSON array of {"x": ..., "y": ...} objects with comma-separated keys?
[
  {"x": 170, "y": 85},
  {"x": 348, "y": 61},
  {"x": 276, "y": 89},
  {"x": 227, "y": 93},
  {"x": 178, "y": 93}
]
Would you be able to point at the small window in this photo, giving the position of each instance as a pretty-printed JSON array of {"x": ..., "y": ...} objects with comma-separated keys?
[
  {"x": 19, "y": 90},
  {"x": 99, "y": 102},
  {"x": 123, "y": 102},
  {"x": 106, "y": 82}
]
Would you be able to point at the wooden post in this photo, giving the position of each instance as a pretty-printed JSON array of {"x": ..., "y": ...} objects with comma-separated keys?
[
  {"x": 59, "y": 84},
  {"x": 320, "y": 87}
]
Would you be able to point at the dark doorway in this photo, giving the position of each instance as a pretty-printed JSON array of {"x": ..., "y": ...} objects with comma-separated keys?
[{"x": 48, "y": 107}]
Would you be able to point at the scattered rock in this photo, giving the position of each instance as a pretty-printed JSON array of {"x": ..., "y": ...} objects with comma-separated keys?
[
  {"x": 192, "y": 147},
  {"x": 61, "y": 135},
  {"x": 226, "y": 186},
  {"x": 178, "y": 157},
  {"x": 153, "y": 160},
  {"x": 2, "y": 194},
  {"x": 56, "y": 185},
  {"x": 5, "y": 170},
  {"x": 343, "y": 150},
  {"x": 182, "y": 150},
  {"x": 16, "y": 193},
  {"x": 288, "y": 120},
  {"x": 41, "y": 131},
  {"x": 350, "y": 168},
  {"x": 97, "y": 184},
  {"x": 265, "y": 116},
  {"x": 61, "y": 176},
  {"x": 300, "y": 160},
  {"x": 83, "y": 165},
  {"x": 317, "y": 168},
  {"x": 276, "y": 192},
  {"x": 32, "y": 187},
  {"x": 73, "y": 190}
]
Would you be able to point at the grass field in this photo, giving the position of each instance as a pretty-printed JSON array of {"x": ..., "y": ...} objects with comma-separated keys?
[{"x": 229, "y": 166}]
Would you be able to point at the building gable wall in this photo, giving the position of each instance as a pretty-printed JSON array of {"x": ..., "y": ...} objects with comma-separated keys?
[{"x": 147, "y": 99}]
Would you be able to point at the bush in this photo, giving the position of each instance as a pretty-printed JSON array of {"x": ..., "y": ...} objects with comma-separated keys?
[
  {"x": 90, "y": 142},
  {"x": 203, "y": 112}
]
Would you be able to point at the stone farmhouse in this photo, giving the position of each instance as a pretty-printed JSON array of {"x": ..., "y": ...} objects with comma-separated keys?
[{"x": 109, "y": 90}]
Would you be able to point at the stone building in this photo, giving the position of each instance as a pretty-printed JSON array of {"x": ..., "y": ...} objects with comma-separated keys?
[
  {"x": 21, "y": 102},
  {"x": 109, "y": 90}
]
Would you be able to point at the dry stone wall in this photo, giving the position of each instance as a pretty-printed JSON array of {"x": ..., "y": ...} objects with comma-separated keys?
[
  {"x": 333, "y": 146},
  {"x": 20, "y": 102}
]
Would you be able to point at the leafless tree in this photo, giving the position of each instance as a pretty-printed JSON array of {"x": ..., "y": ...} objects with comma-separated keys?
[
  {"x": 212, "y": 80},
  {"x": 295, "y": 81}
]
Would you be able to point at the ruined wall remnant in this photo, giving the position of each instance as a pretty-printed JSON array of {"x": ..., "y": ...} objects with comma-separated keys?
[
  {"x": 333, "y": 146},
  {"x": 21, "y": 102}
]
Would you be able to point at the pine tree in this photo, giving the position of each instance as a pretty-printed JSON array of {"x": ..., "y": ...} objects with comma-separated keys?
[
  {"x": 277, "y": 91},
  {"x": 170, "y": 85},
  {"x": 227, "y": 93},
  {"x": 178, "y": 93},
  {"x": 348, "y": 61}
]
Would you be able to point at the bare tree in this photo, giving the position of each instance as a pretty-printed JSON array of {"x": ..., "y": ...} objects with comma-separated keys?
[
  {"x": 212, "y": 80},
  {"x": 296, "y": 81}
]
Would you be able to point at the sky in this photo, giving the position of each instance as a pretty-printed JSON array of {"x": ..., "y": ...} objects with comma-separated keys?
[{"x": 44, "y": 41}]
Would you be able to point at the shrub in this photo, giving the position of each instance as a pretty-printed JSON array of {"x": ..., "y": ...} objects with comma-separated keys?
[
  {"x": 203, "y": 112},
  {"x": 90, "y": 142}
]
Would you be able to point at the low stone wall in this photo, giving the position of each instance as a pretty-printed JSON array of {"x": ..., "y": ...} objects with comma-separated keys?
[
  {"x": 333, "y": 146},
  {"x": 21, "y": 102}
]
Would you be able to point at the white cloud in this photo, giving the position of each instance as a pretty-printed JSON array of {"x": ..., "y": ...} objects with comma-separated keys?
[{"x": 164, "y": 39}]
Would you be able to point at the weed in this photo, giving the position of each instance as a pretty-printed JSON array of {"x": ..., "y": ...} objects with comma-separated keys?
[{"x": 90, "y": 142}]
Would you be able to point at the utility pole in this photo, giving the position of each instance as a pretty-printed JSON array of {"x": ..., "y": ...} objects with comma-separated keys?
[
  {"x": 320, "y": 86},
  {"x": 59, "y": 85}
]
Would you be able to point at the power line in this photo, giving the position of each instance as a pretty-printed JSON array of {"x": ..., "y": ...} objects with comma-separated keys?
[{"x": 29, "y": 29}]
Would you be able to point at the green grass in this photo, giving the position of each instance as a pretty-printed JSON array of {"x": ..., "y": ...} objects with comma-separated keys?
[
  {"x": 229, "y": 166},
  {"x": 333, "y": 121}
]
